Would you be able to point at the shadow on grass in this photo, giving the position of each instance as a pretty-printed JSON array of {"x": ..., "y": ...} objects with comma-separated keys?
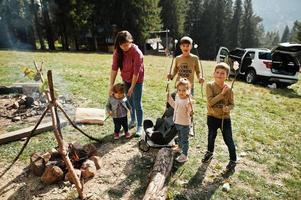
[
  {"x": 196, "y": 190},
  {"x": 27, "y": 185},
  {"x": 136, "y": 170},
  {"x": 287, "y": 92}
]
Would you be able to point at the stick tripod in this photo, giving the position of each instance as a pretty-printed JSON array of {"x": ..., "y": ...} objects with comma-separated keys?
[{"x": 53, "y": 106}]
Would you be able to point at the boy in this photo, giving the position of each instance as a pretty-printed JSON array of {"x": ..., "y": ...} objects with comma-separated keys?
[
  {"x": 220, "y": 102},
  {"x": 186, "y": 64}
]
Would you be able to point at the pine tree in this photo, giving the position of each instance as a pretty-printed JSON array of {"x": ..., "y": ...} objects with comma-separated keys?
[
  {"x": 285, "y": 35},
  {"x": 234, "y": 28},
  {"x": 295, "y": 36},
  {"x": 247, "y": 30}
]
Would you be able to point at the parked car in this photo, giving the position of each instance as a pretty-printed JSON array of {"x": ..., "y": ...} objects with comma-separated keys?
[{"x": 281, "y": 65}]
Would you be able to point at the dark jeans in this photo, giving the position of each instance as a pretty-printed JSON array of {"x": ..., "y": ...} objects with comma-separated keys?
[
  {"x": 118, "y": 122},
  {"x": 214, "y": 124}
]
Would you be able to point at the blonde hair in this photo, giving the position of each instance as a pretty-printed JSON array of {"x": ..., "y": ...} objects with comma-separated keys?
[
  {"x": 118, "y": 88},
  {"x": 224, "y": 66},
  {"x": 185, "y": 82}
]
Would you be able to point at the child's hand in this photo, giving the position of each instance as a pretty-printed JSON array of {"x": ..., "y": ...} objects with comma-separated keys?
[
  {"x": 225, "y": 89},
  {"x": 201, "y": 80},
  {"x": 226, "y": 109},
  {"x": 169, "y": 76},
  {"x": 110, "y": 113}
]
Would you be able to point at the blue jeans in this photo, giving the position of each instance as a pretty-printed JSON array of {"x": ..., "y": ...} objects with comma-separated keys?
[
  {"x": 215, "y": 123},
  {"x": 135, "y": 102},
  {"x": 183, "y": 137}
]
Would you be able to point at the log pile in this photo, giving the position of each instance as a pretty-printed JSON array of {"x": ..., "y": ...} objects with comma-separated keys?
[{"x": 50, "y": 166}]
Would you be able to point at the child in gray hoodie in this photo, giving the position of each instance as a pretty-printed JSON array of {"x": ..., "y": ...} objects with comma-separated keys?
[{"x": 118, "y": 107}]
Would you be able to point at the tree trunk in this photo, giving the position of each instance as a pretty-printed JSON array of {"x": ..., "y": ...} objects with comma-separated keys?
[
  {"x": 37, "y": 25},
  {"x": 157, "y": 186},
  {"x": 49, "y": 33}
]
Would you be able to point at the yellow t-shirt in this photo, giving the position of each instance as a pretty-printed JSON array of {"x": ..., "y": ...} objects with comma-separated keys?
[{"x": 185, "y": 67}]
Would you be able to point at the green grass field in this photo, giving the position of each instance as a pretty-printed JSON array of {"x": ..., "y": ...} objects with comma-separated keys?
[{"x": 266, "y": 125}]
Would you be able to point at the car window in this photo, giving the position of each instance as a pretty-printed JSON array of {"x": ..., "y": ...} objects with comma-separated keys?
[
  {"x": 224, "y": 52},
  {"x": 265, "y": 55},
  {"x": 251, "y": 54}
]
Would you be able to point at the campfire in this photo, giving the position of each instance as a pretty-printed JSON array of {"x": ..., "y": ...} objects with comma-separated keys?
[
  {"x": 19, "y": 107},
  {"x": 50, "y": 166}
]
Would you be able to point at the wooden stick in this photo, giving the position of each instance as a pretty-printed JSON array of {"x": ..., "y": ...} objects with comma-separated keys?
[
  {"x": 59, "y": 138},
  {"x": 76, "y": 127}
]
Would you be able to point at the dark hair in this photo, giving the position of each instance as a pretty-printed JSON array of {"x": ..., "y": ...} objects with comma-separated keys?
[
  {"x": 118, "y": 88},
  {"x": 222, "y": 65},
  {"x": 121, "y": 37}
]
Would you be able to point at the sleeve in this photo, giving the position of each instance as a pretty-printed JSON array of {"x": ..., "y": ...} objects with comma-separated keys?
[
  {"x": 171, "y": 101},
  {"x": 210, "y": 98},
  {"x": 137, "y": 62},
  {"x": 115, "y": 61},
  {"x": 197, "y": 67}
]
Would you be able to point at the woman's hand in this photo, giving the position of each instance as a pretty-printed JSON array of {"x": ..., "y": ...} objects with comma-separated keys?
[{"x": 130, "y": 92}]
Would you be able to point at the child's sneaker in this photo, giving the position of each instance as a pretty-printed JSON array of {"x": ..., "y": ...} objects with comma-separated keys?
[
  {"x": 231, "y": 165},
  {"x": 182, "y": 158},
  {"x": 127, "y": 135},
  {"x": 207, "y": 157},
  {"x": 116, "y": 136}
]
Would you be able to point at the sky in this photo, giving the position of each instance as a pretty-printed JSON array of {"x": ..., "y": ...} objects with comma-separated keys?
[{"x": 277, "y": 14}]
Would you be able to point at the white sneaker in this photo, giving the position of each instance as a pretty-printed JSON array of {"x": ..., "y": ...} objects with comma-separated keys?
[
  {"x": 139, "y": 131},
  {"x": 182, "y": 158}
]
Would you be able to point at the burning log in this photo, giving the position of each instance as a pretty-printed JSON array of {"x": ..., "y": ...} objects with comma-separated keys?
[{"x": 156, "y": 188}]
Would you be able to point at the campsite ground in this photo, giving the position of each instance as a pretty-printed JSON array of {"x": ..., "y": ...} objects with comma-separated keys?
[{"x": 265, "y": 121}]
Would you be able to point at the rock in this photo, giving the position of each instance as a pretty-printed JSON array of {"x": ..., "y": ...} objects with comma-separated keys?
[
  {"x": 69, "y": 178},
  {"x": 15, "y": 119},
  {"x": 88, "y": 169},
  {"x": 226, "y": 187},
  {"x": 52, "y": 174},
  {"x": 97, "y": 161}
]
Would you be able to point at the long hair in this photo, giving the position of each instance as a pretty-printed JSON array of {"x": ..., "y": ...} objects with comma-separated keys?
[{"x": 122, "y": 37}]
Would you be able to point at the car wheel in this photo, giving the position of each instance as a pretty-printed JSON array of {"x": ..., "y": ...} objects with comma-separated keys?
[{"x": 251, "y": 76}]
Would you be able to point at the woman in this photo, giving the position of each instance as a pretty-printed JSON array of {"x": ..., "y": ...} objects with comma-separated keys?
[{"x": 128, "y": 58}]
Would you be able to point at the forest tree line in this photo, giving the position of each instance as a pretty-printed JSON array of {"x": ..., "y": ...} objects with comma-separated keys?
[{"x": 93, "y": 24}]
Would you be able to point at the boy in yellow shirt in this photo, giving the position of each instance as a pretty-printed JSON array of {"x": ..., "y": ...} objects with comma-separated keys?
[
  {"x": 187, "y": 64},
  {"x": 219, "y": 103}
]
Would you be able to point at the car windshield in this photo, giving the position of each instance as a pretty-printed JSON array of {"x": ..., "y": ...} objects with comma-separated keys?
[{"x": 265, "y": 55}]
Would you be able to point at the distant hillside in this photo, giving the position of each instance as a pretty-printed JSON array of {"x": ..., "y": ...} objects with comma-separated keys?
[{"x": 277, "y": 13}]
